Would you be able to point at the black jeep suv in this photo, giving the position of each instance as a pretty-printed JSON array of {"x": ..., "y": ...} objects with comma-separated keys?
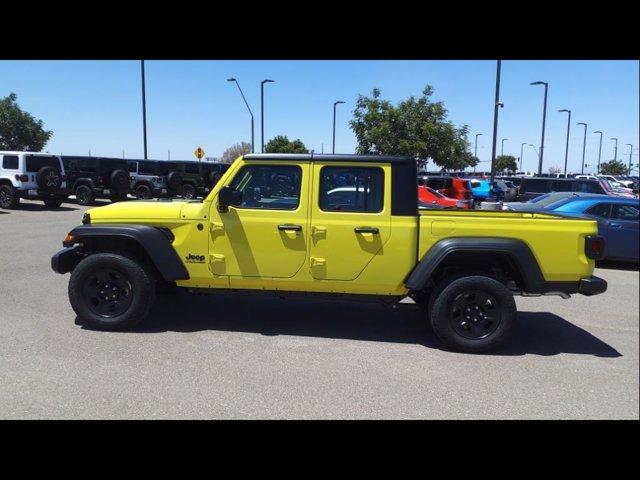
[{"x": 89, "y": 178}]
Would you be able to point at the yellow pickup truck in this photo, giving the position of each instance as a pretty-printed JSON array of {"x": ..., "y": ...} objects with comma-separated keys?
[{"x": 332, "y": 225}]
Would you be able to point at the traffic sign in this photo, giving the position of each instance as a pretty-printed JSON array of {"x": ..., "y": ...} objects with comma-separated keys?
[{"x": 199, "y": 153}]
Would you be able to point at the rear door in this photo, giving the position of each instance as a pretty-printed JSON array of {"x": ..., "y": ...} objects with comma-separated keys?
[
  {"x": 350, "y": 217},
  {"x": 623, "y": 231}
]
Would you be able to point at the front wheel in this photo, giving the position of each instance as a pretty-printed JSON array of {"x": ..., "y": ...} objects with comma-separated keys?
[
  {"x": 111, "y": 292},
  {"x": 84, "y": 195},
  {"x": 143, "y": 192},
  {"x": 472, "y": 313},
  {"x": 188, "y": 191}
]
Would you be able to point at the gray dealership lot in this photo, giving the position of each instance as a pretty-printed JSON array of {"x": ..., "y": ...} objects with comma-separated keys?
[{"x": 229, "y": 357}]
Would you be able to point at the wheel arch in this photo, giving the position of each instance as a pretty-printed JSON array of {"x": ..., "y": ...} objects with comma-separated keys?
[
  {"x": 148, "y": 244},
  {"x": 508, "y": 255}
]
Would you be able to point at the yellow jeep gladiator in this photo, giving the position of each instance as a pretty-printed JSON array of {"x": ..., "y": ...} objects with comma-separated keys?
[{"x": 332, "y": 225}]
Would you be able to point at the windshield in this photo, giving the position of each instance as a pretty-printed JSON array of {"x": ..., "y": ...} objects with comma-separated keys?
[{"x": 548, "y": 199}]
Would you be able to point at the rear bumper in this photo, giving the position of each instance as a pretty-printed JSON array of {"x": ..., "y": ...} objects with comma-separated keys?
[{"x": 592, "y": 286}]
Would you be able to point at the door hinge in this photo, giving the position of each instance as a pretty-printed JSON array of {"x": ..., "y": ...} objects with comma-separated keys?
[
  {"x": 317, "y": 261},
  {"x": 216, "y": 257},
  {"x": 216, "y": 226}
]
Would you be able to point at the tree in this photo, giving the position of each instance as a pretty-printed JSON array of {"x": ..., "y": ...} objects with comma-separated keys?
[
  {"x": 506, "y": 162},
  {"x": 613, "y": 167},
  {"x": 555, "y": 170},
  {"x": 234, "y": 151},
  {"x": 19, "y": 130},
  {"x": 417, "y": 127},
  {"x": 281, "y": 144}
]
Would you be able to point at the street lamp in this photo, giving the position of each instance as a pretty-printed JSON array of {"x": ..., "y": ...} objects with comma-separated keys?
[
  {"x": 334, "y": 124},
  {"x": 496, "y": 106},
  {"x": 584, "y": 144},
  {"x": 144, "y": 110},
  {"x": 566, "y": 151},
  {"x": 262, "y": 110},
  {"x": 615, "y": 152},
  {"x": 522, "y": 153},
  {"x": 232, "y": 79},
  {"x": 544, "y": 119},
  {"x": 630, "y": 152},
  {"x": 475, "y": 149},
  {"x": 535, "y": 150},
  {"x": 599, "y": 149},
  {"x": 502, "y": 146}
]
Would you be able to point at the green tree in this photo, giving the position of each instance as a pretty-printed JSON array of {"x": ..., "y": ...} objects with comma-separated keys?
[
  {"x": 613, "y": 167},
  {"x": 19, "y": 130},
  {"x": 416, "y": 126},
  {"x": 282, "y": 144},
  {"x": 235, "y": 151},
  {"x": 506, "y": 163}
]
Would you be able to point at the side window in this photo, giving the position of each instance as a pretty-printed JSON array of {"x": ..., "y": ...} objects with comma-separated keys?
[
  {"x": 10, "y": 162},
  {"x": 352, "y": 189},
  {"x": 624, "y": 212},
  {"x": 272, "y": 187},
  {"x": 560, "y": 186},
  {"x": 133, "y": 167},
  {"x": 536, "y": 186},
  {"x": 588, "y": 187},
  {"x": 600, "y": 210},
  {"x": 145, "y": 168}
]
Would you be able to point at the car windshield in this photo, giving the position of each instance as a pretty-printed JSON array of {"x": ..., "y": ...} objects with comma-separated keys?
[{"x": 548, "y": 199}]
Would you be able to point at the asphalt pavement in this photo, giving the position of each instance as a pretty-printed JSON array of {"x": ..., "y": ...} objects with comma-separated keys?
[{"x": 227, "y": 357}]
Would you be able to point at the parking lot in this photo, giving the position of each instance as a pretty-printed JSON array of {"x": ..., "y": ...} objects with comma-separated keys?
[{"x": 225, "y": 357}]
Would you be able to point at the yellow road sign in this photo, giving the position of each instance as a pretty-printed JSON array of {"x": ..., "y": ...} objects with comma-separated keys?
[{"x": 199, "y": 153}]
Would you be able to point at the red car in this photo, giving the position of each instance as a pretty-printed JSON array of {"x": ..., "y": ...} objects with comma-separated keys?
[
  {"x": 451, "y": 187},
  {"x": 430, "y": 196}
]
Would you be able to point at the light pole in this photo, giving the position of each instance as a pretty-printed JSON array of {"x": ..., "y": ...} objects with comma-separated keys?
[
  {"x": 615, "y": 151},
  {"x": 475, "y": 149},
  {"x": 584, "y": 144},
  {"x": 262, "y": 110},
  {"x": 496, "y": 106},
  {"x": 232, "y": 79},
  {"x": 544, "y": 119},
  {"x": 522, "y": 153},
  {"x": 566, "y": 151},
  {"x": 502, "y": 146},
  {"x": 144, "y": 110},
  {"x": 630, "y": 152},
  {"x": 599, "y": 149},
  {"x": 535, "y": 150},
  {"x": 334, "y": 125}
]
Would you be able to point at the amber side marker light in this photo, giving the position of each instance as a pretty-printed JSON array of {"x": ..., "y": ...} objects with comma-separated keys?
[{"x": 69, "y": 238}]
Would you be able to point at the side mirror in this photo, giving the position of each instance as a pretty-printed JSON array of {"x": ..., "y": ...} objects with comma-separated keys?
[{"x": 228, "y": 197}]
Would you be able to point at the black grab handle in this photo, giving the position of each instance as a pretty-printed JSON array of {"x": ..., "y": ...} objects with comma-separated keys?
[
  {"x": 297, "y": 228},
  {"x": 366, "y": 230}
]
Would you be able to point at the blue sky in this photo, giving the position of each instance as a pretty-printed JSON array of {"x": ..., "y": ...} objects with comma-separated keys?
[{"x": 96, "y": 105}]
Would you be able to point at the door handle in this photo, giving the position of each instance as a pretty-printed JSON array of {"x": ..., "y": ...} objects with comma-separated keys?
[
  {"x": 287, "y": 226},
  {"x": 366, "y": 230},
  {"x": 615, "y": 225}
]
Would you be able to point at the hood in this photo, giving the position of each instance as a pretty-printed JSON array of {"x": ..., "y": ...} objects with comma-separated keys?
[{"x": 156, "y": 209}]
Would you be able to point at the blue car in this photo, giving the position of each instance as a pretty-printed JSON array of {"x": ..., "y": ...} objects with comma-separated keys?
[
  {"x": 617, "y": 222},
  {"x": 480, "y": 189}
]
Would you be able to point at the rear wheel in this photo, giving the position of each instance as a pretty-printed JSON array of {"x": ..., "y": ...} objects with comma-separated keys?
[
  {"x": 472, "y": 313},
  {"x": 143, "y": 192},
  {"x": 84, "y": 195},
  {"x": 8, "y": 197},
  {"x": 188, "y": 191},
  {"x": 111, "y": 292}
]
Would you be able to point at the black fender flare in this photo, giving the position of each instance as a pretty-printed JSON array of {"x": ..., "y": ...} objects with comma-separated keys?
[
  {"x": 83, "y": 181},
  {"x": 516, "y": 250},
  {"x": 152, "y": 240}
]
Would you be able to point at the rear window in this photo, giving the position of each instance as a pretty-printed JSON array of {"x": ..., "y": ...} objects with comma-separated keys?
[
  {"x": 10, "y": 162},
  {"x": 600, "y": 210},
  {"x": 588, "y": 187},
  {"x": 147, "y": 168},
  {"x": 36, "y": 162},
  {"x": 351, "y": 189}
]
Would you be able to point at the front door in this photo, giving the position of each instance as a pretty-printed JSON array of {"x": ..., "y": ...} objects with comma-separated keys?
[
  {"x": 622, "y": 231},
  {"x": 266, "y": 235},
  {"x": 350, "y": 218}
]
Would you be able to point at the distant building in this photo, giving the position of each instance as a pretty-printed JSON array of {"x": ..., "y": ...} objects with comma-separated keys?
[{"x": 212, "y": 159}]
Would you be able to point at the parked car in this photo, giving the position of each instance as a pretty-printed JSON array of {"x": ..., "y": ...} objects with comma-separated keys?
[
  {"x": 89, "y": 178},
  {"x": 369, "y": 240},
  {"x": 480, "y": 189},
  {"x": 502, "y": 191},
  {"x": 154, "y": 178},
  {"x": 543, "y": 201},
  {"x": 621, "y": 179},
  {"x": 31, "y": 175},
  {"x": 428, "y": 195},
  {"x": 618, "y": 189},
  {"x": 531, "y": 187},
  {"x": 451, "y": 187}
]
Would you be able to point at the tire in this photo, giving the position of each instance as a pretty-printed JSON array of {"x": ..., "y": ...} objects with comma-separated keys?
[
  {"x": 213, "y": 178},
  {"x": 174, "y": 181},
  {"x": 104, "y": 273},
  {"x": 472, "y": 313},
  {"x": 143, "y": 192},
  {"x": 53, "y": 202},
  {"x": 119, "y": 181},
  {"x": 188, "y": 191},
  {"x": 84, "y": 195},
  {"x": 49, "y": 179},
  {"x": 8, "y": 197}
]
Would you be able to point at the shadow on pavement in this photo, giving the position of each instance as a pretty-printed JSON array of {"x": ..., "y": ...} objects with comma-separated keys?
[
  {"x": 41, "y": 207},
  {"x": 618, "y": 265},
  {"x": 538, "y": 333}
]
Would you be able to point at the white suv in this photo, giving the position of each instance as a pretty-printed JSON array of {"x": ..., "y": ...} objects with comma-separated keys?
[{"x": 31, "y": 175}]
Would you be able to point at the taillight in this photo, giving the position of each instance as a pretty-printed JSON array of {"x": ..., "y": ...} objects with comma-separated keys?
[
  {"x": 594, "y": 247},
  {"x": 22, "y": 178}
]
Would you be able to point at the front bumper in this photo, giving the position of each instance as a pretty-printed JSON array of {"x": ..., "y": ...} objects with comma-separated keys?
[
  {"x": 66, "y": 259},
  {"x": 592, "y": 286}
]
